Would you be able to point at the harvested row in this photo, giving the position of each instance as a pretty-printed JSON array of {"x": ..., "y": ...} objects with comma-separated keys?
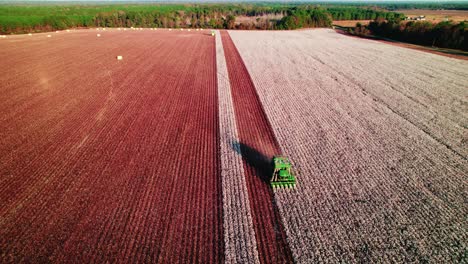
[
  {"x": 372, "y": 185},
  {"x": 239, "y": 234},
  {"x": 105, "y": 160},
  {"x": 257, "y": 146}
]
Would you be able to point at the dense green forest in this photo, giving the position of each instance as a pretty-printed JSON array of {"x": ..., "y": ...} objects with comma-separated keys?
[
  {"x": 443, "y": 35},
  {"x": 27, "y": 18}
]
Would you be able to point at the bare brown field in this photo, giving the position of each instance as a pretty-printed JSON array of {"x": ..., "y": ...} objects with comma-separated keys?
[
  {"x": 378, "y": 136},
  {"x": 350, "y": 23},
  {"x": 437, "y": 15}
]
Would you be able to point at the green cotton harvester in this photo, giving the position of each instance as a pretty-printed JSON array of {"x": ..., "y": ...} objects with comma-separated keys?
[{"x": 283, "y": 175}]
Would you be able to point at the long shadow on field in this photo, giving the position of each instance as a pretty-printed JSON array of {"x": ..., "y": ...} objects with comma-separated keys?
[{"x": 255, "y": 159}]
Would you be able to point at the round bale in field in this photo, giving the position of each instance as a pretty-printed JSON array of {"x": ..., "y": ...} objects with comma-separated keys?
[
  {"x": 120, "y": 57},
  {"x": 98, "y": 35},
  {"x": 49, "y": 36}
]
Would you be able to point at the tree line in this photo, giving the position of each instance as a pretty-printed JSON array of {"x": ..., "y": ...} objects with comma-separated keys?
[
  {"x": 23, "y": 19},
  {"x": 446, "y": 34}
]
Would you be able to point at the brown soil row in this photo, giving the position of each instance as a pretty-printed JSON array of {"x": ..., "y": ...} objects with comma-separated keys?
[
  {"x": 258, "y": 145},
  {"x": 104, "y": 160}
]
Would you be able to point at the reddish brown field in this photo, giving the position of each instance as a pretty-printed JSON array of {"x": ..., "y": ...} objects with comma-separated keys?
[
  {"x": 258, "y": 145},
  {"x": 104, "y": 160}
]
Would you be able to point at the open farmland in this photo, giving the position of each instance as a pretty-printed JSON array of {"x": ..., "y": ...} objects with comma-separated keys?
[
  {"x": 437, "y": 15},
  {"x": 165, "y": 156},
  {"x": 378, "y": 136},
  {"x": 104, "y": 160}
]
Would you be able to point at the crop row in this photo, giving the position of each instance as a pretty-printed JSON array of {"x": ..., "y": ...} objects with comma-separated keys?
[
  {"x": 240, "y": 242},
  {"x": 372, "y": 185},
  {"x": 257, "y": 146},
  {"x": 105, "y": 160}
]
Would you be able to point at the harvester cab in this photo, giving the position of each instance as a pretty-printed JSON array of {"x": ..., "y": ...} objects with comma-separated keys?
[{"x": 283, "y": 175}]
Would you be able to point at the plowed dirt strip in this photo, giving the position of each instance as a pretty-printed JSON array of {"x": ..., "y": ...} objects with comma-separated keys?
[
  {"x": 104, "y": 161},
  {"x": 257, "y": 146},
  {"x": 239, "y": 234}
]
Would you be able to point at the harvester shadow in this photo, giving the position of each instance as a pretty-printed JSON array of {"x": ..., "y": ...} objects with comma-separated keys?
[{"x": 255, "y": 159}]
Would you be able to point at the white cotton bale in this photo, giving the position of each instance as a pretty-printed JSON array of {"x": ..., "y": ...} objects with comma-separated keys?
[
  {"x": 49, "y": 36},
  {"x": 189, "y": 30},
  {"x": 29, "y": 34},
  {"x": 119, "y": 57},
  {"x": 125, "y": 29},
  {"x": 98, "y": 35},
  {"x": 68, "y": 30}
]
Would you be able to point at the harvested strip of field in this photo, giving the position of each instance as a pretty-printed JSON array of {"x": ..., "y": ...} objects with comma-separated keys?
[
  {"x": 239, "y": 234},
  {"x": 257, "y": 145},
  {"x": 104, "y": 160},
  {"x": 377, "y": 134}
]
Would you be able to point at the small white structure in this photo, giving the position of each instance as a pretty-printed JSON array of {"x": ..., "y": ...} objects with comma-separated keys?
[
  {"x": 98, "y": 35},
  {"x": 68, "y": 30},
  {"x": 49, "y": 36},
  {"x": 119, "y": 57},
  {"x": 29, "y": 34}
]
